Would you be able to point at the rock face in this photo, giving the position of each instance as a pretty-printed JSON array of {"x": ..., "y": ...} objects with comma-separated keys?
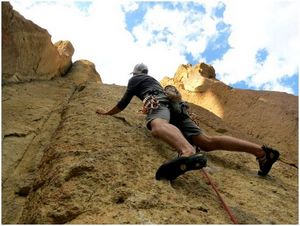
[
  {"x": 62, "y": 163},
  {"x": 27, "y": 51},
  {"x": 193, "y": 79},
  {"x": 257, "y": 113}
]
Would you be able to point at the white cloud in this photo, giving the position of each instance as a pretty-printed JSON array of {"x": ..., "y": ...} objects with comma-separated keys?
[
  {"x": 129, "y": 6},
  {"x": 182, "y": 25},
  {"x": 255, "y": 25},
  {"x": 181, "y": 31},
  {"x": 99, "y": 34}
]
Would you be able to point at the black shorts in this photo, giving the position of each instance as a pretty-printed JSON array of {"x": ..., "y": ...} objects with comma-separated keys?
[{"x": 187, "y": 126}]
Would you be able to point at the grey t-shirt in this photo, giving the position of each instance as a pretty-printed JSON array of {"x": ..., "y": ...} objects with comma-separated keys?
[{"x": 139, "y": 85}]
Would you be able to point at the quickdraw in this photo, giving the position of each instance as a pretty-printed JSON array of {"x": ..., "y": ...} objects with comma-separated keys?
[{"x": 149, "y": 103}]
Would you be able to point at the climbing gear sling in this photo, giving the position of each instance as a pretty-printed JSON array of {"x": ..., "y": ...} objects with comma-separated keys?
[{"x": 149, "y": 103}]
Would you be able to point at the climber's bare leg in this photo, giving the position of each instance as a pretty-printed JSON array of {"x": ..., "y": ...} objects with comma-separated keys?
[
  {"x": 169, "y": 133},
  {"x": 210, "y": 143}
]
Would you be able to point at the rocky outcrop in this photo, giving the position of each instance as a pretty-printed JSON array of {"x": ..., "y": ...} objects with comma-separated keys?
[
  {"x": 256, "y": 113},
  {"x": 84, "y": 70},
  {"x": 27, "y": 51},
  {"x": 32, "y": 113},
  {"x": 34, "y": 98},
  {"x": 193, "y": 79},
  {"x": 64, "y": 164}
]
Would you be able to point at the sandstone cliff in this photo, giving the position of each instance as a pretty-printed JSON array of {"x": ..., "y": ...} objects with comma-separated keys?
[
  {"x": 27, "y": 51},
  {"x": 271, "y": 117},
  {"x": 62, "y": 163}
]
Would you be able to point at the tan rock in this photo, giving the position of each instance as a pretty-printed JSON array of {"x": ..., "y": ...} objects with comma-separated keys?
[
  {"x": 254, "y": 112},
  {"x": 64, "y": 164},
  {"x": 82, "y": 71},
  {"x": 206, "y": 70},
  {"x": 28, "y": 52},
  {"x": 66, "y": 51},
  {"x": 193, "y": 79}
]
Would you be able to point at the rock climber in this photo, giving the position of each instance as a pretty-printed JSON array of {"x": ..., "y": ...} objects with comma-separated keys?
[{"x": 180, "y": 131}]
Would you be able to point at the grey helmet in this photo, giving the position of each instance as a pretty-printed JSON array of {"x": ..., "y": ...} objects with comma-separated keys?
[{"x": 140, "y": 69}]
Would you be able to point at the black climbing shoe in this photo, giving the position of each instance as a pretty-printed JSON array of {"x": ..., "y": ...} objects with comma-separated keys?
[
  {"x": 174, "y": 168},
  {"x": 266, "y": 162}
]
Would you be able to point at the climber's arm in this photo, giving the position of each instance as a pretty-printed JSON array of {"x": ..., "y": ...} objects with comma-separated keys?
[{"x": 122, "y": 104}]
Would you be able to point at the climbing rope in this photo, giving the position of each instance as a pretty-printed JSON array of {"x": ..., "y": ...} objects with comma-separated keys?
[
  {"x": 288, "y": 163},
  {"x": 227, "y": 209}
]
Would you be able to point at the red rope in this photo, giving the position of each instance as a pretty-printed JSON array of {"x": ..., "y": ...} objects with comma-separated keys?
[
  {"x": 288, "y": 163},
  {"x": 228, "y": 210}
]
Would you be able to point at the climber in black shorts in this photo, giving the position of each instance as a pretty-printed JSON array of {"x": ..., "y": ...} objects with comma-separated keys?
[{"x": 181, "y": 132}]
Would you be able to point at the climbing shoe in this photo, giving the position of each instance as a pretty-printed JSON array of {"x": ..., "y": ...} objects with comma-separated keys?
[
  {"x": 175, "y": 167},
  {"x": 266, "y": 162}
]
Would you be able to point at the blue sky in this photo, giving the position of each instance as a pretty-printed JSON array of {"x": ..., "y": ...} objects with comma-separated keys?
[{"x": 252, "y": 44}]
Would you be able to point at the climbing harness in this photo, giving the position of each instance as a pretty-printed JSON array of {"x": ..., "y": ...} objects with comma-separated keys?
[
  {"x": 149, "y": 103},
  {"x": 227, "y": 209}
]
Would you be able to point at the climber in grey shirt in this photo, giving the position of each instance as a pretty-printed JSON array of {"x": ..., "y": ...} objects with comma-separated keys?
[
  {"x": 139, "y": 85},
  {"x": 182, "y": 133}
]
